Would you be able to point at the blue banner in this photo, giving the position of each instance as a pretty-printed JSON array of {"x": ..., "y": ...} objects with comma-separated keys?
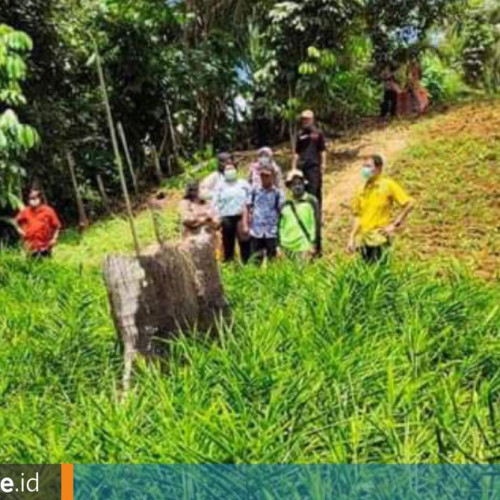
[{"x": 294, "y": 482}]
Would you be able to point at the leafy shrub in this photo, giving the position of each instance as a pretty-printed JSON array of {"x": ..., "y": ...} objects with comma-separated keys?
[
  {"x": 16, "y": 139},
  {"x": 340, "y": 86},
  {"x": 443, "y": 82},
  {"x": 478, "y": 44}
]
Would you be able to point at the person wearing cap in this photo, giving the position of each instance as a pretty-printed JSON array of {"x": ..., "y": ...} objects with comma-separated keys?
[
  {"x": 211, "y": 183},
  {"x": 39, "y": 226},
  {"x": 230, "y": 201},
  {"x": 265, "y": 158},
  {"x": 264, "y": 208},
  {"x": 310, "y": 157},
  {"x": 198, "y": 216},
  {"x": 299, "y": 220},
  {"x": 373, "y": 226}
]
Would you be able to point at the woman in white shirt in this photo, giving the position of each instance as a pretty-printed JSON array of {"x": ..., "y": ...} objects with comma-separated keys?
[
  {"x": 211, "y": 183},
  {"x": 231, "y": 201}
]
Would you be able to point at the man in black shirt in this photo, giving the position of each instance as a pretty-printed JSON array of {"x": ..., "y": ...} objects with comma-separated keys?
[{"x": 310, "y": 157}]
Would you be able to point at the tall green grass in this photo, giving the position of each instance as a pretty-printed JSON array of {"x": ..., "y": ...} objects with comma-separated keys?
[{"x": 335, "y": 362}]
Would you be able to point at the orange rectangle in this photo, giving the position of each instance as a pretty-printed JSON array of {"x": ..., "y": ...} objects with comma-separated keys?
[{"x": 67, "y": 482}]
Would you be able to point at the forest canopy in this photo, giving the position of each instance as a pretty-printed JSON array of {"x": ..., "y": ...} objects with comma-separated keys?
[{"x": 190, "y": 77}]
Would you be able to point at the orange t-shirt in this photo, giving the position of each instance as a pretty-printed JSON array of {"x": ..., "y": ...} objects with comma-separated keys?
[{"x": 39, "y": 226}]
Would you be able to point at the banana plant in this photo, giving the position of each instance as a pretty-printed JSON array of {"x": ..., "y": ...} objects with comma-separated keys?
[{"x": 16, "y": 138}]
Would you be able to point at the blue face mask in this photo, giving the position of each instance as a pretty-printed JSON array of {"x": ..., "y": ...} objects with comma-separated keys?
[{"x": 367, "y": 172}]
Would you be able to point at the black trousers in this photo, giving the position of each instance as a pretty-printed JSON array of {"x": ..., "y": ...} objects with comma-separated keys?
[
  {"x": 264, "y": 247},
  {"x": 314, "y": 177},
  {"x": 41, "y": 254},
  {"x": 374, "y": 255},
  {"x": 389, "y": 104},
  {"x": 230, "y": 234}
]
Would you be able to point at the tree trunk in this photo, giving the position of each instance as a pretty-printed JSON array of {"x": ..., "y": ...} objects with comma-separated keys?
[
  {"x": 83, "y": 221},
  {"x": 123, "y": 138},
  {"x": 292, "y": 128},
  {"x": 156, "y": 164},
  {"x": 173, "y": 137},
  {"x": 102, "y": 191}
]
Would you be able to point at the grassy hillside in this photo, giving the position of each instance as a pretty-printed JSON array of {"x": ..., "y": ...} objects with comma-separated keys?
[
  {"x": 334, "y": 362},
  {"x": 451, "y": 165},
  {"x": 454, "y": 170}
]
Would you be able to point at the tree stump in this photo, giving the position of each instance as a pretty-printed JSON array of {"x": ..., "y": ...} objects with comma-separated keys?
[{"x": 163, "y": 291}]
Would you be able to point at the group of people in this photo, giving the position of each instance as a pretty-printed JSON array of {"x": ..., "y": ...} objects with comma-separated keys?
[
  {"x": 256, "y": 213},
  {"x": 266, "y": 213},
  {"x": 253, "y": 213}
]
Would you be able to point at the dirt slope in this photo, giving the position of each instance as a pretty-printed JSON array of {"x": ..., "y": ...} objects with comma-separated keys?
[{"x": 450, "y": 162}]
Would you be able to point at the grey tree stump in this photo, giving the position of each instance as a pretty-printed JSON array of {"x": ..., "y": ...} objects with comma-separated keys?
[{"x": 165, "y": 290}]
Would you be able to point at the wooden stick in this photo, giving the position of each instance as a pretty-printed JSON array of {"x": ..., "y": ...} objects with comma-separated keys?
[
  {"x": 123, "y": 138},
  {"x": 83, "y": 221},
  {"x": 156, "y": 163},
  {"x": 172, "y": 133},
  {"x": 102, "y": 191},
  {"x": 116, "y": 149},
  {"x": 163, "y": 145}
]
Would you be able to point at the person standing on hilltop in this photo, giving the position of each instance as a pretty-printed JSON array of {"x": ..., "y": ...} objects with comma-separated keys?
[
  {"x": 39, "y": 226},
  {"x": 373, "y": 226},
  {"x": 389, "y": 106},
  {"x": 310, "y": 157},
  {"x": 418, "y": 94}
]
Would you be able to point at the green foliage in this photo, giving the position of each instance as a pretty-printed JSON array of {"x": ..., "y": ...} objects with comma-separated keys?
[
  {"x": 208, "y": 70},
  {"x": 303, "y": 40},
  {"x": 16, "y": 139},
  {"x": 334, "y": 362},
  {"x": 339, "y": 85},
  {"x": 201, "y": 164},
  {"x": 478, "y": 44},
  {"x": 330, "y": 363},
  {"x": 444, "y": 83},
  {"x": 398, "y": 27}
]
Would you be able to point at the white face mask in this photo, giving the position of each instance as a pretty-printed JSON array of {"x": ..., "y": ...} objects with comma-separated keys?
[
  {"x": 231, "y": 174},
  {"x": 264, "y": 161},
  {"x": 35, "y": 203}
]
